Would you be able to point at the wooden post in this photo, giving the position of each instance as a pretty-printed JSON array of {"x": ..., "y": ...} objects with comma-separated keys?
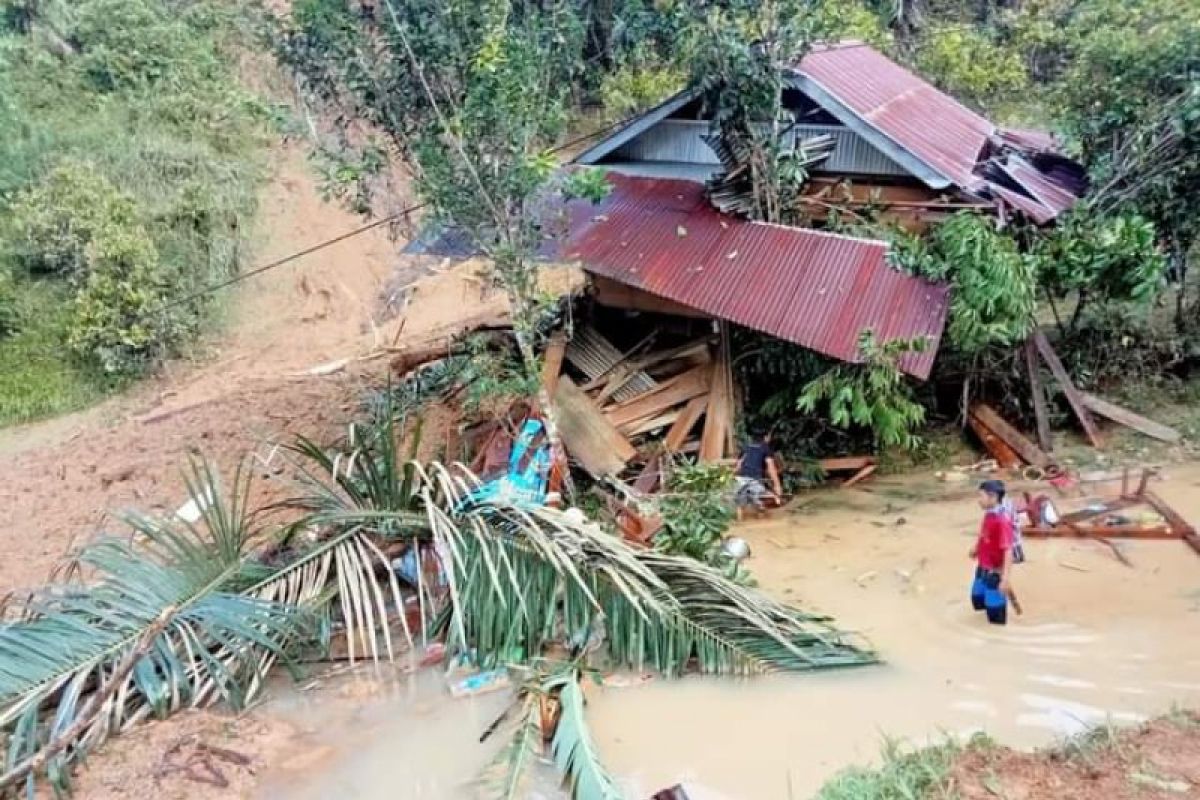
[
  {"x": 1039, "y": 396},
  {"x": 1073, "y": 395}
]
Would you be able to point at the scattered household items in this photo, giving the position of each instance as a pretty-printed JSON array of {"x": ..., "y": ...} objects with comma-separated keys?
[
  {"x": 479, "y": 683},
  {"x": 736, "y": 548},
  {"x": 1115, "y": 518},
  {"x": 527, "y": 480}
]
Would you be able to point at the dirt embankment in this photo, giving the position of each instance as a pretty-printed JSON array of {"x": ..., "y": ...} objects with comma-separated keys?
[
  {"x": 1156, "y": 761},
  {"x": 63, "y": 479}
]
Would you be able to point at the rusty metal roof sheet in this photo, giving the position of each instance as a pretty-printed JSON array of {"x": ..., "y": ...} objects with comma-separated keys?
[
  {"x": 816, "y": 289},
  {"x": 929, "y": 124},
  {"x": 1045, "y": 191}
]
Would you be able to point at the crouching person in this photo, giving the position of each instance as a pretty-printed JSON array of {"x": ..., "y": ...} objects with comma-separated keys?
[
  {"x": 756, "y": 465},
  {"x": 993, "y": 554}
]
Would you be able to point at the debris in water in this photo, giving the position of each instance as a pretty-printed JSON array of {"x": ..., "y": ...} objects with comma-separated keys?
[{"x": 480, "y": 683}]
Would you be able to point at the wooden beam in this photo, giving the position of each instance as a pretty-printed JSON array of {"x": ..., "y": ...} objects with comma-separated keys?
[
  {"x": 654, "y": 422},
  {"x": 1003, "y": 455},
  {"x": 1012, "y": 437},
  {"x": 1129, "y": 419},
  {"x": 664, "y": 396},
  {"x": 587, "y": 435},
  {"x": 611, "y": 293},
  {"x": 1177, "y": 523},
  {"x": 687, "y": 420},
  {"x": 650, "y": 476},
  {"x": 1039, "y": 396},
  {"x": 845, "y": 463},
  {"x": 1103, "y": 532},
  {"x": 552, "y": 362},
  {"x": 713, "y": 441},
  {"x": 1074, "y": 397},
  {"x": 860, "y": 476}
]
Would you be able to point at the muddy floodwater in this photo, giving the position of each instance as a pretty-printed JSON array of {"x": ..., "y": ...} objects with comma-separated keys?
[{"x": 1098, "y": 641}]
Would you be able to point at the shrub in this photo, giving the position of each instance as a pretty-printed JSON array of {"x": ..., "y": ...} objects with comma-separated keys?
[
  {"x": 117, "y": 321},
  {"x": 696, "y": 512},
  {"x": 9, "y": 314},
  {"x": 54, "y": 221},
  {"x": 633, "y": 88}
]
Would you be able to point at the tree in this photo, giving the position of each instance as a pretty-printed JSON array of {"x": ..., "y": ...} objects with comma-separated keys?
[
  {"x": 1114, "y": 259},
  {"x": 1130, "y": 101},
  {"x": 739, "y": 66},
  {"x": 471, "y": 97}
]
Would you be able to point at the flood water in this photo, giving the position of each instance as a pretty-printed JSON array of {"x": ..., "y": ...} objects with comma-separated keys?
[{"x": 1098, "y": 642}]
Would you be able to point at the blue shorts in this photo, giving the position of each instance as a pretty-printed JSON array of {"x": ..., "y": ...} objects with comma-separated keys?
[{"x": 987, "y": 597}]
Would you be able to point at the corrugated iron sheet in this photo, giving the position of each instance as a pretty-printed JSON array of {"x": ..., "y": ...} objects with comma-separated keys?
[
  {"x": 931, "y": 125},
  {"x": 816, "y": 289},
  {"x": 1046, "y": 191}
]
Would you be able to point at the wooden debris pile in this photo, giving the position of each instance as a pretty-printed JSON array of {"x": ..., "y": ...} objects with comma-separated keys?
[
  {"x": 1013, "y": 449},
  {"x": 620, "y": 411},
  {"x": 1115, "y": 517}
]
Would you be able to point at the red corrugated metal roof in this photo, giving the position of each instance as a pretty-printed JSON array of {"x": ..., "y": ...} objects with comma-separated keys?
[
  {"x": 1046, "y": 191},
  {"x": 816, "y": 289},
  {"x": 1030, "y": 207},
  {"x": 931, "y": 125}
]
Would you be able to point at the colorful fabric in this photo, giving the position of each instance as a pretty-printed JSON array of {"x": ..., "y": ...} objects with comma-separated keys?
[{"x": 523, "y": 484}]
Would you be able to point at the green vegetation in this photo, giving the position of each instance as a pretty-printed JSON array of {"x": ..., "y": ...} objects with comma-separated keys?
[
  {"x": 129, "y": 161},
  {"x": 182, "y": 615},
  {"x": 917, "y": 775}
]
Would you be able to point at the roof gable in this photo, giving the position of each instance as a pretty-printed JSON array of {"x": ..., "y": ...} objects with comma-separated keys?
[
  {"x": 887, "y": 100},
  {"x": 928, "y": 133}
]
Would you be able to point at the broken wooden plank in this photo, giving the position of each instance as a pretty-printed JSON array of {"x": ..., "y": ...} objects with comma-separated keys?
[
  {"x": 724, "y": 368},
  {"x": 1039, "y": 396},
  {"x": 1003, "y": 455},
  {"x": 638, "y": 427},
  {"x": 687, "y": 420},
  {"x": 587, "y": 435},
  {"x": 845, "y": 463},
  {"x": 713, "y": 440},
  {"x": 1103, "y": 532},
  {"x": 1074, "y": 397},
  {"x": 552, "y": 363},
  {"x": 1012, "y": 437},
  {"x": 1129, "y": 419},
  {"x": 669, "y": 394},
  {"x": 860, "y": 476},
  {"x": 650, "y": 476}
]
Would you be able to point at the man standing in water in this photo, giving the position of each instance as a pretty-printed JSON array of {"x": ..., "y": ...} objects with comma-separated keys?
[
  {"x": 993, "y": 554},
  {"x": 756, "y": 464}
]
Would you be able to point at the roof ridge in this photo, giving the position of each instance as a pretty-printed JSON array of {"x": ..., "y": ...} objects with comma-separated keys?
[{"x": 817, "y": 232}]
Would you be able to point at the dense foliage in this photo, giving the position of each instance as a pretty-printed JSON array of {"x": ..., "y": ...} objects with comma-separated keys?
[{"x": 128, "y": 168}]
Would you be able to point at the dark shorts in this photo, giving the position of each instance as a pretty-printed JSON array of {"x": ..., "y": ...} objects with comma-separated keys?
[{"x": 987, "y": 597}]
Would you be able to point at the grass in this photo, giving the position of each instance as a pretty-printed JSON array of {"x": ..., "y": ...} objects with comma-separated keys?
[
  {"x": 918, "y": 775},
  {"x": 39, "y": 377}
]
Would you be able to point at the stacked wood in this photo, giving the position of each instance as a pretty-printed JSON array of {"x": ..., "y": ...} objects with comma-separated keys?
[{"x": 641, "y": 405}]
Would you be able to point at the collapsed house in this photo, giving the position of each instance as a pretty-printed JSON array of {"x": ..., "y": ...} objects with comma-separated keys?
[
  {"x": 672, "y": 265},
  {"x": 880, "y": 136}
]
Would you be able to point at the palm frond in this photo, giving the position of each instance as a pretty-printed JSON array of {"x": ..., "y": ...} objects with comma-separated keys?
[
  {"x": 506, "y": 778},
  {"x": 66, "y": 645},
  {"x": 574, "y": 752}
]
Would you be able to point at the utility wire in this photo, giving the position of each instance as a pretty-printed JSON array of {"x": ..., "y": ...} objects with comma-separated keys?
[{"x": 279, "y": 262}]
